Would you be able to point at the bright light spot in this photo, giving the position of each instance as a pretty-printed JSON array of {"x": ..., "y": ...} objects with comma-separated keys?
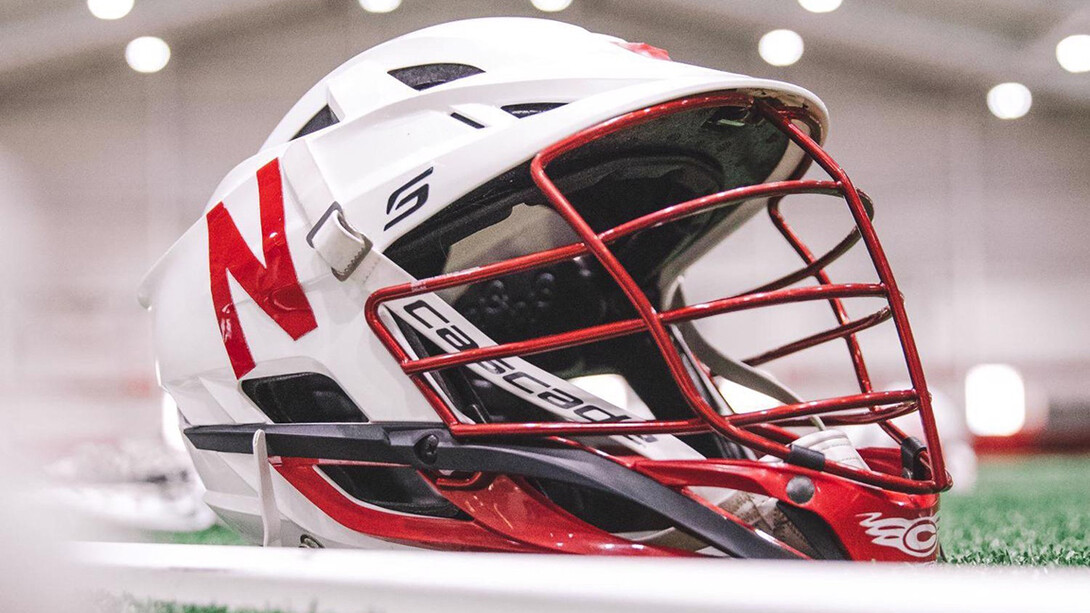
[
  {"x": 820, "y": 6},
  {"x": 1009, "y": 100},
  {"x": 109, "y": 9},
  {"x": 611, "y": 388},
  {"x": 995, "y": 400},
  {"x": 780, "y": 47},
  {"x": 380, "y": 6},
  {"x": 551, "y": 6},
  {"x": 147, "y": 54},
  {"x": 742, "y": 399},
  {"x": 172, "y": 431},
  {"x": 1073, "y": 53}
]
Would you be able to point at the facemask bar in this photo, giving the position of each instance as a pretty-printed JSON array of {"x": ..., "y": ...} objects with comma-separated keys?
[{"x": 758, "y": 430}]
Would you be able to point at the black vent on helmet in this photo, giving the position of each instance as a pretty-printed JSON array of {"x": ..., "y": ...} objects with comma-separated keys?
[
  {"x": 531, "y": 108},
  {"x": 322, "y": 119},
  {"x": 305, "y": 397},
  {"x": 429, "y": 75},
  {"x": 466, "y": 120},
  {"x": 398, "y": 488}
]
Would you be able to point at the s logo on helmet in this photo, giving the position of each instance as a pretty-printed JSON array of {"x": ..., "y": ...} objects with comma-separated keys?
[
  {"x": 917, "y": 537},
  {"x": 273, "y": 285},
  {"x": 401, "y": 205}
]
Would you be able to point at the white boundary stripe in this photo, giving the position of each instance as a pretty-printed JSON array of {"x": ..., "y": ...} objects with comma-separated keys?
[{"x": 302, "y": 580}]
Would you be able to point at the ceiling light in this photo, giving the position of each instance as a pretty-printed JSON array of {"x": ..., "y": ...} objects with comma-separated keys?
[
  {"x": 147, "y": 54},
  {"x": 109, "y": 9},
  {"x": 1073, "y": 53},
  {"x": 551, "y": 6},
  {"x": 780, "y": 47},
  {"x": 1009, "y": 100},
  {"x": 380, "y": 6},
  {"x": 995, "y": 400},
  {"x": 820, "y": 6}
]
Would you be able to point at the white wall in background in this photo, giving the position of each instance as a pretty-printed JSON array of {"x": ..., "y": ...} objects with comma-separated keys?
[{"x": 984, "y": 220}]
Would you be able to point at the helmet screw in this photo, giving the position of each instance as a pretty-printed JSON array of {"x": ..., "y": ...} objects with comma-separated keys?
[
  {"x": 800, "y": 489},
  {"x": 427, "y": 449}
]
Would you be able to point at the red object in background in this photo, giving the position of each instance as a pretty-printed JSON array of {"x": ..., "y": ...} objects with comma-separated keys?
[
  {"x": 646, "y": 50},
  {"x": 1065, "y": 429}
]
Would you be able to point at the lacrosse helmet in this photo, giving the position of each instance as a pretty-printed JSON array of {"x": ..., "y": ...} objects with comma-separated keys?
[{"x": 446, "y": 306}]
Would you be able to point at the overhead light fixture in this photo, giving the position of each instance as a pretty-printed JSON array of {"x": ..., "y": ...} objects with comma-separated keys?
[
  {"x": 780, "y": 47},
  {"x": 380, "y": 6},
  {"x": 1009, "y": 100},
  {"x": 147, "y": 54},
  {"x": 820, "y": 6},
  {"x": 551, "y": 6},
  {"x": 995, "y": 400},
  {"x": 1073, "y": 53},
  {"x": 109, "y": 9}
]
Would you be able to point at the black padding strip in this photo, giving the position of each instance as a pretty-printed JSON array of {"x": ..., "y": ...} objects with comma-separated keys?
[
  {"x": 430, "y": 75},
  {"x": 466, "y": 120},
  {"x": 322, "y": 119},
  {"x": 817, "y": 533},
  {"x": 532, "y": 108},
  {"x": 398, "y": 443},
  {"x": 911, "y": 462},
  {"x": 806, "y": 457}
]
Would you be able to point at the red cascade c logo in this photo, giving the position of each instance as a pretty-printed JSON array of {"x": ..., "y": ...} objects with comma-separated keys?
[
  {"x": 917, "y": 537},
  {"x": 273, "y": 286}
]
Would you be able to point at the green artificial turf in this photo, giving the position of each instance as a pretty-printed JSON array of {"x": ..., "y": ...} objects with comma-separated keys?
[
  {"x": 1032, "y": 511},
  {"x": 216, "y": 535}
]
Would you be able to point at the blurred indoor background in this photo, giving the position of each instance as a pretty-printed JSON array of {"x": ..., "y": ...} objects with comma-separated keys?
[{"x": 109, "y": 150}]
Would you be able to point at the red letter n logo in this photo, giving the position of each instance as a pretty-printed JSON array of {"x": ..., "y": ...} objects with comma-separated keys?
[{"x": 274, "y": 287}]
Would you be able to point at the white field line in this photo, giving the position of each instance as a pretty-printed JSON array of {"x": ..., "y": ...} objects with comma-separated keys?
[{"x": 303, "y": 580}]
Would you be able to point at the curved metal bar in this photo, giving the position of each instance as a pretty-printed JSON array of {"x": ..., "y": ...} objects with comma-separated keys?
[
  {"x": 552, "y": 256},
  {"x": 870, "y": 416},
  {"x": 582, "y": 336},
  {"x": 813, "y": 340},
  {"x": 939, "y": 477},
  {"x": 820, "y": 263},
  {"x": 802, "y": 409},
  {"x": 734, "y": 427}
]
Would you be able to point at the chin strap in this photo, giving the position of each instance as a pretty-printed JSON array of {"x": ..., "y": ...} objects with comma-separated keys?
[
  {"x": 270, "y": 515},
  {"x": 763, "y": 513}
]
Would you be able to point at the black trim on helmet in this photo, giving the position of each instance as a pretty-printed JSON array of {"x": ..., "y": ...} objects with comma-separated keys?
[
  {"x": 322, "y": 119},
  {"x": 531, "y": 108},
  {"x": 399, "y": 443},
  {"x": 302, "y": 397},
  {"x": 425, "y": 76}
]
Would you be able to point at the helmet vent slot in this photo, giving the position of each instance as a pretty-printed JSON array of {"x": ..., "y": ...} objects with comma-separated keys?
[
  {"x": 322, "y": 119},
  {"x": 531, "y": 108},
  {"x": 430, "y": 75},
  {"x": 396, "y": 488},
  {"x": 466, "y": 120},
  {"x": 304, "y": 397}
]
